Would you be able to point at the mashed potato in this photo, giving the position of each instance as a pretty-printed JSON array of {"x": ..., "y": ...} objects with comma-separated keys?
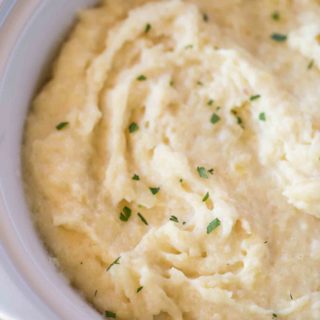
[{"x": 173, "y": 160}]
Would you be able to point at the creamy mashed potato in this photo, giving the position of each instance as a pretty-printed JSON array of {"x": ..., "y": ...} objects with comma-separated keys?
[{"x": 172, "y": 162}]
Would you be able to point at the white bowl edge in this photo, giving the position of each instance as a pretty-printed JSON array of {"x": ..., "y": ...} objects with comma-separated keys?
[{"x": 28, "y": 38}]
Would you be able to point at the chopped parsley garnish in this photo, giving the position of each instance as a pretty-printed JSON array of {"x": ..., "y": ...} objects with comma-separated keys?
[
  {"x": 180, "y": 180},
  {"x": 274, "y": 316},
  {"x": 239, "y": 120},
  {"x": 147, "y": 28},
  {"x": 62, "y": 125},
  {"x": 135, "y": 177},
  {"x": 311, "y": 64},
  {"x": 110, "y": 314},
  {"x": 275, "y": 16},
  {"x": 210, "y": 102},
  {"x": 125, "y": 214},
  {"x": 174, "y": 219},
  {"x": 205, "y": 17},
  {"x": 142, "y": 78},
  {"x": 142, "y": 218},
  {"x": 114, "y": 263},
  {"x": 206, "y": 197},
  {"x": 211, "y": 171},
  {"x": 154, "y": 190},
  {"x": 133, "y": 127},
  {"x": 139, "y": 289},
  {"x": 262, "y": 116},
  {"x": 214, "y": 118},
  {"x": 199, "y": 83},
  {"x": 214, "y": 224},
  {"x": 189, "y": 46},
  {"x": 255, "y": 97},
  {"x": 291, "y": 297},
  {"x": 202, "y": 172},
  {"x": 279, "y": 37},
  {"x": 171, "y": 83},
  {"x": 266, "y": 242}
]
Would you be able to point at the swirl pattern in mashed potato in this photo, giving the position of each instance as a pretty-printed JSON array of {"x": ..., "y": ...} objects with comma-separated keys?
[{"x": 173, "y": 160}]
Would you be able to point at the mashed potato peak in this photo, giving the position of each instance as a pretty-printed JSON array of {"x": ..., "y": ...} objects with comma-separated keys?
[{"x": 173, "y": 160}]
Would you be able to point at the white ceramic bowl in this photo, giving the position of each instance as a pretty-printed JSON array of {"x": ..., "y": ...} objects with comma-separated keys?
[{"x": 31, "y": 32}]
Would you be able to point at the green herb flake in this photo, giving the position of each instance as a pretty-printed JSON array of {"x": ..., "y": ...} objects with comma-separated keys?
[
  {"x": 214, "y": 224},
  {"x": 210, "y": 102},
  {"x": 180, "y": 180},
  {"x": 139, "y": 289},
  {"x": 279, "y": 37},
  {"x": 135, "y": 177},
  {"x": 275, "y": 16},
  {"x": 214, "y": 118},
  {"x": 239, "y": 121},
  {"x": 142, "y": 78},
  {"x": 255, "y": 97},
  {"x": 274, "y": 316},
  {"x": 199, "y": 83},
  {"x": 133, "y": 127},
  {"x": 291, "y": 297},
  {"x": 154, "y": 190},
  {"x": 110, "y": 314},
  {"x": 147, "y": 28},
  {"x": 211, "y": 171},
  {"x": 238, "y": 118},
  {"x": 205, "y": 17},
  {"x": 174, "y": 219},
  {"x": 114, "y": 263},
  {"x": 206, "y": 197},
  {"x": 171, "y": 83},
  {"x": 125, "y": 214},
  {"x": 202, "y": 172},
  {"x": 62, "y": 125},
  {"x": 311, "y": 64},
  {"x": 262, "y": 116},
  {"x": 142, "y": 218}
]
